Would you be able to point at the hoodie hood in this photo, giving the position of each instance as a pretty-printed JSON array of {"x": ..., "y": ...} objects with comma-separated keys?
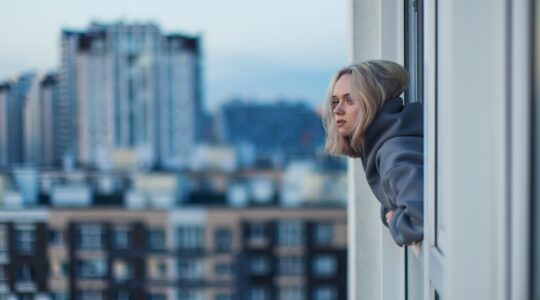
[{"x": 393, "y": 120}]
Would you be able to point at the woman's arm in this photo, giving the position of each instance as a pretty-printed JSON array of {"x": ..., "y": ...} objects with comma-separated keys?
[
  {"x": 402, "y": 174},
  {"x": 406, "y": 223}
]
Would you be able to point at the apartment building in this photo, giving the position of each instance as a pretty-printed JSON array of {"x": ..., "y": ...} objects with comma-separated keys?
[{"x": 183, "y": 253}]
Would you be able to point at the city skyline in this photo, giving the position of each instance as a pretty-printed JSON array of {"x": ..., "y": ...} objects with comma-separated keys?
[{"x": 287, "y": 51}]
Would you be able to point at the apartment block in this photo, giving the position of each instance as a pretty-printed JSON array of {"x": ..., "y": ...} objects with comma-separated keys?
[{"x": 183, "y": 253}]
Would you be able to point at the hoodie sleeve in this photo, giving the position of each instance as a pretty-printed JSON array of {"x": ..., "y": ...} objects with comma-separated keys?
[
  {"x": 384, "y": 211},
  {"x": 400, "y": 162}
]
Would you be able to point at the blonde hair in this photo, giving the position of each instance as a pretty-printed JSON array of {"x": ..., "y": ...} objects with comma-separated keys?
[{"x": 373, "y": 83}]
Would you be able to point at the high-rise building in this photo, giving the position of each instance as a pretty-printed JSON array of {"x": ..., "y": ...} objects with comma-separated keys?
[
  {"x": 133, "y": 88},
  {"x": 67, "y": 97},
  {"x": 50, "y": 137},
  {"x": 29, "y": 121},
  {"x": 14, "y": 97},
  {"x": 270, "y": 132},
  {"x": 32, "y": 122},
  {"x": 5, "y": 102},
  {"x": 180, "y": 110}
]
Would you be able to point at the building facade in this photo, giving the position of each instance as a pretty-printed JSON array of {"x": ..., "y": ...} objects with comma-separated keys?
[
  {"x": 268, "y": 133},
  {"x": 29, "y": 131},
  {"x": 19, "y": 103},
  {"x": 50, "y": 137},
  {"x": 186, "y": 253},
  {"x": 131, "y": 87}
]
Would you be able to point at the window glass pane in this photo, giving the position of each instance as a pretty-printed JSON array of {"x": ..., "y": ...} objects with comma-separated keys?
[
  {"x": 223, "y": 269},
  {"x": 190, "y": 268},
  {"x": 414, "y": 58},
  {"x": 90, "y": 295},
  {"x": 3, "y": 239},
  {"x": 290, "y": 233},
  {"x": 56, "y": 237},
  {"x": 92, "y": 268},
  {"x": 259, "y": 293},
  {"x": 323, "y": 234},
  {"x": 25, "y": 239},
  {"x": 190, "y": 294},
  {"x": 122, "y": 270},
  {"x": 291, "y": 293},
  {"x": 3, "y": 274},
  {"x": 414, "y": 41},
  {"x": 440, "y": 118},
  {"x": 223, "y": 296},
  {"x": 223, "y": 240},
  {"x": 190, "y": 238},
  {"x": 154, "y": 296},
  {"x": 90, "y": 236},
  {"x": 324, "y": 266},
  {"x": 156, "y": 239},
  {"x": 290, "y": 265},
  {"x": 25, "y": 273},
  {"x": 324, "y": 293},
  {"x": 259, "y": 265},
  {"x": 156, "y": 268},
  {"x": 121, "y": 238},
  {"x": 535, "y": 205}
]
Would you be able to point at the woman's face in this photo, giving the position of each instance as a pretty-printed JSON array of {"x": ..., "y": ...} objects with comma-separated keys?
[{"x": 345, "y": 109}]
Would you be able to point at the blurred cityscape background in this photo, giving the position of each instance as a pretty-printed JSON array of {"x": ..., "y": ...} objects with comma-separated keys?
[{"x": 118, "y": 181}]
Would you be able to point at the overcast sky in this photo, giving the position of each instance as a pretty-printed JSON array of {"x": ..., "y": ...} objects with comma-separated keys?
[{"x": 251, "y": 49}]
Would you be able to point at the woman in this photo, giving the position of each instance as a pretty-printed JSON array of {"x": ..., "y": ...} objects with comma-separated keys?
[{"x": 364, "y": 117}]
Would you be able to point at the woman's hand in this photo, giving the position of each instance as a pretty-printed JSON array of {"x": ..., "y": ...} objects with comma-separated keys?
[{"x": 389, "y": 216}]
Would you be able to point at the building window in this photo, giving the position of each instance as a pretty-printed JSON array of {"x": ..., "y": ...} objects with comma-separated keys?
[
  {"x": 324, "y": 293},
  {"x": 223, "y": 269},
  {"x": 59, "y": 268},
  {"x": 59, "y": 296},
  {"x": 156, "y": 239},
  {"x": 259, "y": 293},
  {"x": 414, "y": 49},
  {"x": 3, "y": 240},
  {"x": 223, "y": 296},
  {"x": 290, "y": 265},
  {"x": 290, "y": 233},
  {"x": 155, "y": 296},
  {"x": 25, "y": 274},
  {"x": 5, "y": 296},
  {"x": 3, "y": 274},
  {"x": 190, "y": 294},
  {"x": 259, "y": 265},
  {"x": 223, "y": 240},
  {"x": 157, "y": 269},
  {"x": 90, "y": 295},
  {"x": 323, "y": 234},
  {"x": 122, "y": 295},
  {"x": 324, "y": 266},
  {"x": 191, "y": 269},
  {"x": 92, "y": 268},
  {"x": 25, "y": 239},
  {"x": 90, "y": 236},
  {"x": 56, "y": 237},
  {"x": 123, "y": 270},
  {"x": 256, "y": 234},
  {"x": 190, "y": 238},
  {"x": 291, "y": 293},
  {"x": 121, "y": 238}
]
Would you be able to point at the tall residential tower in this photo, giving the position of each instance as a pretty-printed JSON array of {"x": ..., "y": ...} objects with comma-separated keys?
[{"x": 130, "y": 89}]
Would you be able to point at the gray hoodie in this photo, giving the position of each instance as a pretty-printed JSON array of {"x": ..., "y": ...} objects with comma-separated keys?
[{"x": 393, "y": 158}]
